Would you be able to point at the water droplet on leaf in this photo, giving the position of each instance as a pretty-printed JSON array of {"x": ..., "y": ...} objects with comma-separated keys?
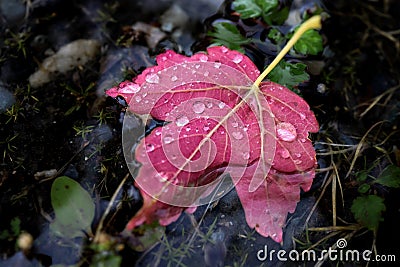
[
  {"x": 297, "y": 162},
  {"x": 168, "y": 139},
  {"x": 152, "y": 78},
  {"x": 149, "y": 147},
  {"x": 181, "y": 121},
  {"x": 198, "y": 107},
  {"x": 203, "y": 58},
  {"x": 217, "y": 65},
  {"x": 237, "y": 135},
  {"x": 246, "y": 155},
  {"x": 286, "y": 131},
  {"x": 174, "y": 78},
  {"x": 130, "y": 88},
  {"x": 235, "y": 124},
  {"x": 285, "y": 154},
  {"x": 237, "y": 59}
]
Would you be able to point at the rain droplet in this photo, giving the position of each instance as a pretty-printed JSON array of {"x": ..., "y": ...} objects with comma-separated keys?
[
  {"x": 158, "y": 133},
  {"x": 181, "y": 121},
  {"x": 206, "y": 73},
  {"x": 321, "y": 88},
  {"x": 138, "y": 98},
  {"x": 302, "y": 116},
  {"x": 209, "y": 104},
  {"x": 235, "y": 124},
  {"x": 149, "y": 147},
  {"x": 224, "y": 49},
  {"x": 303, "y": 140},
  {"x": 174, "y": 78},
  {"x": 197, "y": 66},
  {"x": 203, "y": 58},
  {"x": 246, "y": 155},
  {"x": 217, "y": 65},
  {"x": 162, "y": 176},
  {"x": 237, "y": 135},
  {"x": 237, "y": 59},
  {"x": 130, "y": 88},
  {"x": 285, "y": 154},
  {"x": 221, "y": 105},
  {"x": 286, "y": 131},
  {"x": 168, "y": 139},
  {"x": 297, "y": 162},
  {"x": 206, "y": 128},
  {"x": 198, "y": 107},
  {"x": 298, "y": 155},
  {"x": 152, "y": 78}
]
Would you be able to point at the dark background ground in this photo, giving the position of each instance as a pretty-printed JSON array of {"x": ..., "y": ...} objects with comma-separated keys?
[{"x": 69, "y": 126}]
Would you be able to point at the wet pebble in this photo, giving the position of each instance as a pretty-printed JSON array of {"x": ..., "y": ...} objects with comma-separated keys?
[
  {"x": 7, "y": 99},
  {"x": 13, "y": 11},
  {"x": 76, "y": 53}
]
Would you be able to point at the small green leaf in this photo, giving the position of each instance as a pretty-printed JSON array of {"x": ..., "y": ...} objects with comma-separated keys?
[
  {"x": 390, "y": 177},
  {"x": 16, "y": 226},
  {"x": 4, "y": 234},
  {"x": 276, "y": 36},
  {"x": 364, "y": 188},
  {"x": 147, "y": 236},
  {"x": 310, "y": 43},
  {"x": 106, "y": 260},
  {"x": 362, "y": 176},
  {"x": 368, "y": 210},
  {"x": 253, "y": 8},
  {"x": 228, "y": 35},
  {"x": 73, "y": 208},
  {"x": 288, "y": 74},
  {"x": 276, "y": 16},
  {"x": 247, "y": 8}
]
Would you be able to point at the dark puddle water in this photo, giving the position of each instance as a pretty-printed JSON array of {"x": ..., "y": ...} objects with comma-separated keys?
[{"x": 67, "y": 126}]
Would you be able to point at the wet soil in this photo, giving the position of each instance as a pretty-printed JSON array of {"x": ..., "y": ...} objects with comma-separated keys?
[{"x": 68, "y": 127}]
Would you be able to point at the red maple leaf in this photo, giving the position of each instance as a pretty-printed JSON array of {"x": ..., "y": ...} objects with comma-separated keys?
[{"x": 219, "y": 123}]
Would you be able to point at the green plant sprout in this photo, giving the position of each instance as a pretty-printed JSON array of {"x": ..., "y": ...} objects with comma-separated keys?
[
  {"x": 82, "y": 130},
  {"x": 284, "y": 73},
  {"x": 312, "y": 24},
  {"x": 81, "y": 95}
]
